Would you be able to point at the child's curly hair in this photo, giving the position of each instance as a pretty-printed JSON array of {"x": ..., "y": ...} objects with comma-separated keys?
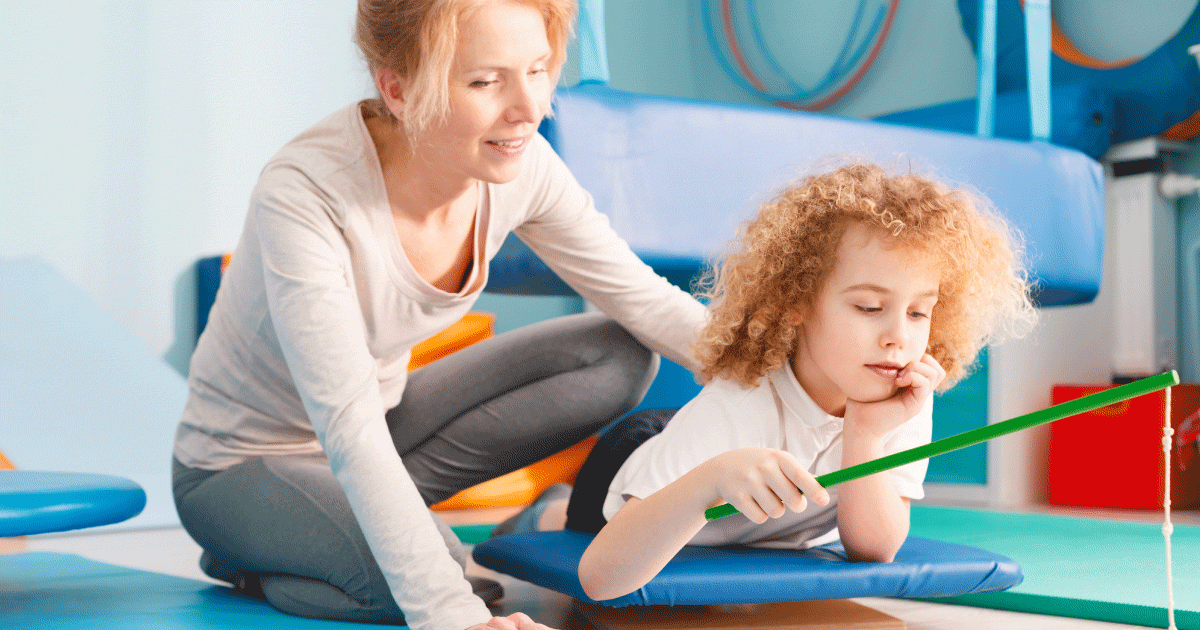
[{"x": 782, "y": 257}]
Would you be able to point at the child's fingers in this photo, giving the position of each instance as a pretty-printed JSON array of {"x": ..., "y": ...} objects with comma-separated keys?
[
  {"x": 921, "y": 375},
  {"x": 769, "y": 502},
  {"x": 748, "y": 504},
  {"x": 939, "y": 372},
  {"x": 915, "y": 379},
  {"x": 807, "y": 484},
  {"x": 789, "y": 495},
  {"x": 772, "y": 493}
]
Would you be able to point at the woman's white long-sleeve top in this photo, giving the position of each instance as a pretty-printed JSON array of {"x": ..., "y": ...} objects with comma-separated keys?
[{"x": 308, "y": 343}]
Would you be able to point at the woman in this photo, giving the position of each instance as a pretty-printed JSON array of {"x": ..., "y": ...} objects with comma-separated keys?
[{"x": 307, "y": 455}]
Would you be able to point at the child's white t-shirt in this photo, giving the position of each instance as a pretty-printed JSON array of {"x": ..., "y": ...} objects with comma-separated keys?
[{"x": 777, "y": 414}]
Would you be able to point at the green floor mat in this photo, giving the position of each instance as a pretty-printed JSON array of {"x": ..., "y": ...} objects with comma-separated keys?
[
  {"x": 1101, "y": 569},
  {"x": 473, "y": 534}
]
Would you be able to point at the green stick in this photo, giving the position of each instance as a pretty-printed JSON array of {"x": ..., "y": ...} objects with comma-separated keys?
[{"x": 982, "y": 434}]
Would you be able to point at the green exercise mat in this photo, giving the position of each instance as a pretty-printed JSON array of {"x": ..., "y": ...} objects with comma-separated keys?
[{"x": 1090, "y": 568}]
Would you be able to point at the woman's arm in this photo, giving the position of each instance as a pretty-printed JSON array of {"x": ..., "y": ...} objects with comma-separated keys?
[
  {"x": 577, "y": 241},
  {"x": 645, "y": 534},
  {"x": 317, "y": 321}
]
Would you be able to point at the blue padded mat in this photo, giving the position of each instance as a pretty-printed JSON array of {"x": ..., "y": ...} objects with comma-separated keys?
[
  {"x": 707, "y": 575},
  {"x": 51, "y": 590},
  {"x": 676, "y": 176},
  {"x": 37, "y": 502}
]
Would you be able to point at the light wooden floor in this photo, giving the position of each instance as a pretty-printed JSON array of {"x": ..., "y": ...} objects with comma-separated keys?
[{"x": 171, "y": 551}]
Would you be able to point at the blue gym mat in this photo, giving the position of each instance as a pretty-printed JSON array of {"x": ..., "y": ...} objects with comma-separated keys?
[{"x": 40, "y": 590}]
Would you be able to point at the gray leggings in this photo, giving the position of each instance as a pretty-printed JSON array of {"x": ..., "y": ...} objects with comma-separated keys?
[{"x": 282, "y": 525}]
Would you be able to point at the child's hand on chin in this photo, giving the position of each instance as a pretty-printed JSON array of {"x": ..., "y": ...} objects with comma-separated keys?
[{"x": 916, "y": 382}]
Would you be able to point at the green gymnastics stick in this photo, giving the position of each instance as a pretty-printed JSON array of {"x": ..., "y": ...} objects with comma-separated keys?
[{"x": 982, "y": 434}]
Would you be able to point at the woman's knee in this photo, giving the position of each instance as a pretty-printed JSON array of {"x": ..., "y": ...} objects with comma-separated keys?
[
  {"x": 617, "y": 369},
  {"x": 631, "y": 365},
  {"x": 282, "y": 515}
]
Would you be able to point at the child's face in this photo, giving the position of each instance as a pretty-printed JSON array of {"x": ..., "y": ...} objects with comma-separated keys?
[{"x": 870, "y": 319}]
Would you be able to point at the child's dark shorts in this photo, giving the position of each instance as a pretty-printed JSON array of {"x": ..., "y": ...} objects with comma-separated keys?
[{"x": 616, "y": 444}]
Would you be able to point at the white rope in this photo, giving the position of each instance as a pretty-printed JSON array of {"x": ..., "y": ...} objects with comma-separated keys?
[{"x": 1168, "y": 528}]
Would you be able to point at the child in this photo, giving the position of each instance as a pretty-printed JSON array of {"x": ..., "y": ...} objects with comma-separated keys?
[{"x": 850, "y": 298}]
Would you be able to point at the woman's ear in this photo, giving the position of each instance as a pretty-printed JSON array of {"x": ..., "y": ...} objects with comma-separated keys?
[{"x": 391, "y": 88}]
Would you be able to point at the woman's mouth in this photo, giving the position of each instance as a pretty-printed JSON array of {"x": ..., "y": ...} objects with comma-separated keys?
[{"x": 509, "y": 148}]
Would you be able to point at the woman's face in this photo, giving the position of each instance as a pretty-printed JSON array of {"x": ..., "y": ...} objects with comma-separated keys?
[
  {"x": 870, "y": 320},
  {"x": 500, "y": 88}
]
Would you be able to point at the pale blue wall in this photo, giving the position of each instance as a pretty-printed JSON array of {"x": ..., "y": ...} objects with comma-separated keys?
[
  {"x": 131, "y": 133},
  {"x": 659, "y": 47}
]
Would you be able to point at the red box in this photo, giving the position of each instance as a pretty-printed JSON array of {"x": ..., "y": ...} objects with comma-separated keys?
[{"x": 1112, "y": 457}]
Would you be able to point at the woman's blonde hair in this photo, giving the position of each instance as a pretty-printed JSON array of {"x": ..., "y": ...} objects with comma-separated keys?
[
  {"x": 781, "y": 259},
  {"x": 417, "y": 39}
]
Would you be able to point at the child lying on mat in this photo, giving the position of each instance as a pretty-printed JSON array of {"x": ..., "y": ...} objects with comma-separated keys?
[{"x": 851, "y": 297}]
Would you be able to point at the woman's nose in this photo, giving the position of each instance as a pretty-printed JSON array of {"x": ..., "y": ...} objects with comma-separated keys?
[{"x": 526, "y": 104}]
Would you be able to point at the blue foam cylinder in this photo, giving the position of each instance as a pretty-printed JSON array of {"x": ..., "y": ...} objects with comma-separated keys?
[{"x": 1084, "y": 117}]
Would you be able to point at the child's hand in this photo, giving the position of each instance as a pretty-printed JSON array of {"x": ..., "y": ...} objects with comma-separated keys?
[
  {"x": 915, "y": 384},
  {"x": 763, "y": 482}
]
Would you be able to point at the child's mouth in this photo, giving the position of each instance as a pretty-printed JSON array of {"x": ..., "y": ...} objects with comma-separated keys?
[{"x": 885, "y": 370}]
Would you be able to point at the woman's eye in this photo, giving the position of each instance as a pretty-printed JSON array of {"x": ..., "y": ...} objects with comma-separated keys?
[
  {"x": 868, "y": 309},
  {"x": 481, "y": 83},
  {"x": 537, "y": 71},
  {"x": 917, "y": 314}
]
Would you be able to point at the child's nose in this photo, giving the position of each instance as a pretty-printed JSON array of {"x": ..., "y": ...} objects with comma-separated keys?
[{"x": 894, "y": 333}]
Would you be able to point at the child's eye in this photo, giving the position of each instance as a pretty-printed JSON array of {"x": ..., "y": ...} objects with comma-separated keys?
[
  {"x": 868, "y": 309},
  {"x": 917, "y": 314},
  {"x": 537, "y": 71},
  {"x": 481, "y": 83}
]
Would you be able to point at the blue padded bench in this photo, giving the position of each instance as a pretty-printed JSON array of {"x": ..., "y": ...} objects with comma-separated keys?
[
  {"x": 39, "y": 502},
  {"x": 676, "y": 176},
  {"x": 709, "y": 575}
]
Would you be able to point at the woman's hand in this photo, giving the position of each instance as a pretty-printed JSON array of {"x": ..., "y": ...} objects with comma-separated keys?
[
  {"x": 515, "y": 621},
  {"x": 763, "y": 482},
  {"x": 916, "y": 382}
]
